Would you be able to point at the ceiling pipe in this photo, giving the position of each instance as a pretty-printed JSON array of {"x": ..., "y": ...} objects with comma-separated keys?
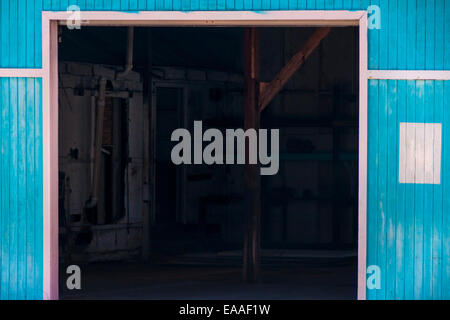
[
  {"x": 129, "y": 62},
  {"x": 101, "y": 103}
]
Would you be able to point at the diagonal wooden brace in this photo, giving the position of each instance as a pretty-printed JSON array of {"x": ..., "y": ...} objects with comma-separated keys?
[{"x": 269, "y": 90}]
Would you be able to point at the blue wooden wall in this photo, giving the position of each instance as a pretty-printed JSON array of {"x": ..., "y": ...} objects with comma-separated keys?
[
  {"x": 408, "y": 231},
  {"x": 20, "y": 188},
  {"x": 408, "y": 224},
  {"x": 413, "y": 34}
]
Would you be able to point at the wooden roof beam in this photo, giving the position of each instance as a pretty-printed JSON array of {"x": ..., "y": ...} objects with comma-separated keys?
[{"x": 269, "y": 90}]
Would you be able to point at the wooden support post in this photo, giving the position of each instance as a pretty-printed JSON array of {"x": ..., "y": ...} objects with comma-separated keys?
[
  {"x": 271, "y": 89},
  {"x": 148, "y": 179},
  {"x": 251, "y": 249}
]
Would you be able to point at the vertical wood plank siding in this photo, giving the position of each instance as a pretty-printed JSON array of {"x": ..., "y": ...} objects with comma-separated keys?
[
  {"x": 20, "y": 188},
  {"x": 408, "y": 224},
  {"x": 413, "y": 34}
]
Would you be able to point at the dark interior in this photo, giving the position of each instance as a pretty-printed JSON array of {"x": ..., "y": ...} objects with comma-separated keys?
[{"x": 162, "y": 231}]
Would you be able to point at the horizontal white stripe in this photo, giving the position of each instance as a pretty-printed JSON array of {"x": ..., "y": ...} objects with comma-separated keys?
[
  {"x": 20, "y": 73},
  {"x": 409, "y": 74},
  {"x": 209, "y": 17}
]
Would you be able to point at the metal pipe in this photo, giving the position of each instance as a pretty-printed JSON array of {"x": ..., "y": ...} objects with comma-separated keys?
[
  {"x": 129, "y": 62},
  {"x": 101, "y": 102}
]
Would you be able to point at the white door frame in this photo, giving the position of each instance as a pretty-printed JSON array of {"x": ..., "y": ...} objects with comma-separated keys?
[{"x": 49, "y": 72}]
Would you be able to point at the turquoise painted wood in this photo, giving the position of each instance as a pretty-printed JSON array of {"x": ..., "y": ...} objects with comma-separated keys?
[
  {"x": 21, "y": 188},
  {"x": 413, "y": 32},
  {"x": 408, "y": 225}
]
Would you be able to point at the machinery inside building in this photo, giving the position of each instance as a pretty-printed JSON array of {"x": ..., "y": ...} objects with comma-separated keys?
[{"x": 140, "y": 226}]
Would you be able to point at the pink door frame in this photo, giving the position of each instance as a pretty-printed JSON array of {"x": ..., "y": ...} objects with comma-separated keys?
[{"x": 50, "y": 21}]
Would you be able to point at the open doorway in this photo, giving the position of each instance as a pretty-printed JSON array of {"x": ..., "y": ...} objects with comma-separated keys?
[{"x": 309, "y": 212}]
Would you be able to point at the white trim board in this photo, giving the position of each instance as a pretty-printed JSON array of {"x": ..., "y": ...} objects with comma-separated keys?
[
  {"x": 215, "y": 18},
  {"x": 50, "y": 21},
  {"x": 408, "y": 74},
  {"x": 20, "y": 73}
]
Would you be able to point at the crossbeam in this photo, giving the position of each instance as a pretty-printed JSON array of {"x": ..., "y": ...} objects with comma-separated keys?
[{"x": 268, "y": 91}]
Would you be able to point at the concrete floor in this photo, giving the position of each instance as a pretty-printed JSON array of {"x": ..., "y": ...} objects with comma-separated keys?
[{"x": 177, "y": 282}]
